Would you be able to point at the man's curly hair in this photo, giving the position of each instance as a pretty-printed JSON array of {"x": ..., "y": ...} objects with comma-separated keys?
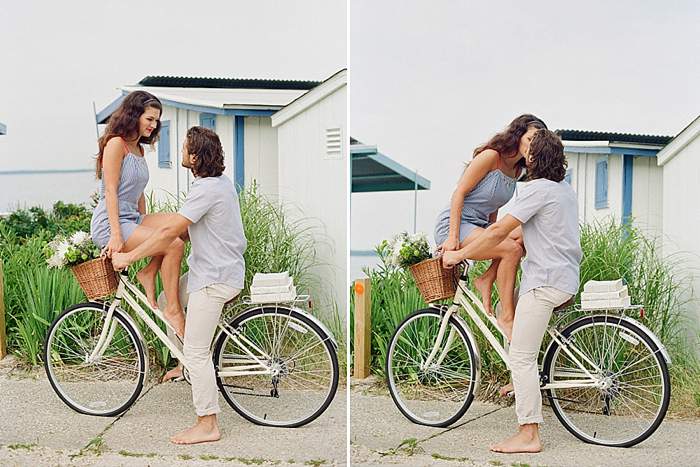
[
  {"x": 547, "y": 154},
  {"x": 206, "y": 145}
]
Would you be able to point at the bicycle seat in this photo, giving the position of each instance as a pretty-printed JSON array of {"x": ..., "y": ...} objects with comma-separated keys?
[{"x": 564, "y": 305}]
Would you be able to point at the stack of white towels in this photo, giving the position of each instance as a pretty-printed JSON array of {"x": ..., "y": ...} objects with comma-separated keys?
[
  {"x": 272, "y": 287},
  {"x": 599, "y": 295}
]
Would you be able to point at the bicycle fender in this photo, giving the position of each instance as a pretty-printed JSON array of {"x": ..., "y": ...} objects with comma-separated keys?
[
  {"x": 652, "y": 336},
  {"x": 306, "y": 314}
]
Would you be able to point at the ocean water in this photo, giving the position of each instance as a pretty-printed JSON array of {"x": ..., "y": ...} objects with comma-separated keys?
[{"x": 23, "y": 190}]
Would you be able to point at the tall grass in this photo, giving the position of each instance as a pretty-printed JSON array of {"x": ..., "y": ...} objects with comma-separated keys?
[
  {"x": 610, "y": 251},
  {"x": 35, "y": 295}
]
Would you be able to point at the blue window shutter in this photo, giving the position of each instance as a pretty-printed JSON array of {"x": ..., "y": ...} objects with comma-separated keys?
[
  {"x": 567, "y": 177},
  {"x": 207, "y": 121},
  {"x": 601, "y": 184},
  {"x": 164, "y": 145}
]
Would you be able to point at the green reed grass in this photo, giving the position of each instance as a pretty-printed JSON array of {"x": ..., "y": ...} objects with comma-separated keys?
[
  {"x": 611, "y": 251},
  {"x": 35, "y": 295}
]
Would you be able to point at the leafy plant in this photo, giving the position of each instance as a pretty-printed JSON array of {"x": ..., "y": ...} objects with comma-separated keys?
[
  {"x": 405, "y": 249},
  {"x": 610, "y": 251}
]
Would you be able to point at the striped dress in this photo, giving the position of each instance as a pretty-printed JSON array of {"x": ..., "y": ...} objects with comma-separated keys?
[
  {"x": 487, "y": 197},
  {"x": 132, "y": 182}
]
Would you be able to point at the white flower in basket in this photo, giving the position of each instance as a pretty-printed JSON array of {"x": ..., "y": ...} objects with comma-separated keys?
[
  {"x": 405, "y": 249},
  {"x": 64, "y": 252}
]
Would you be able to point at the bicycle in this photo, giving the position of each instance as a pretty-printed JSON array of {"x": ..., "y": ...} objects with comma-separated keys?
[
  {"x": 605, "y": 375},
  {"x": 276, "y": 364}
]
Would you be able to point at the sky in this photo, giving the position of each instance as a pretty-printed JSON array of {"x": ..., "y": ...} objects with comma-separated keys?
[
  {"x": 60, "y": 57},
  {"x": 430, "y": 81}
]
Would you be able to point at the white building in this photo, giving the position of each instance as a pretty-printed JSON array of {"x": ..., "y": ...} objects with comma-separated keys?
[
  {"x": 239, "y": 110},
  {"x": 681, "y": 200},
  {"x": 616, "y": 175},
  {"x": 301, "y": 159},
  {"x": 313, "y": 173}
]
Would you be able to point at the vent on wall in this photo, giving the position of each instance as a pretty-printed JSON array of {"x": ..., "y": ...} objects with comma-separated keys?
[{"x": 334, "y": 149}]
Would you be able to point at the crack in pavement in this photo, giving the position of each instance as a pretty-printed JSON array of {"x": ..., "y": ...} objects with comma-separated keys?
[
  {"x": 453, "y": 427},
  {"x": 111, "y": 424}
]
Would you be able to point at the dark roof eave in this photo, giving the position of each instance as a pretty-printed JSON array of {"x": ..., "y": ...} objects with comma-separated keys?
[
  {"x": 226, "y": 83},
  {"x": 580, "y": 135}
]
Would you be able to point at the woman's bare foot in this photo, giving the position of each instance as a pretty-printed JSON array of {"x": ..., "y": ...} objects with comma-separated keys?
[
  {"x": 205, "y": 430},
  {"x": 176, "y": 318},
  {"x": 147, "y": 279},
  {"x": 526, "y": 440},
  {"x": 503, "y": 392},
  {"x": 174, "y": 373},
  {"x": 484, "y": 286},
  {"x": 506, "y": 326}
]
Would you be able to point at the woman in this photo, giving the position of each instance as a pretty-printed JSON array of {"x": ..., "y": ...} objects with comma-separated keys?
[
  {"x": 119, "y": 222},
  {"x": 488, "y": 182}
]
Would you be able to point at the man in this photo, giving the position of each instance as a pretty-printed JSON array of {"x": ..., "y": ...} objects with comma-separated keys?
[
  {"x": 212, "y": 217},
  {"x": 547, "y": 209}
]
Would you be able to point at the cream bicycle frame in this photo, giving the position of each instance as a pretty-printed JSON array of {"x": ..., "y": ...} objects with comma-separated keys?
[
  {"x": 467, "y": 300},
  {"x": 252, "y": 364}
]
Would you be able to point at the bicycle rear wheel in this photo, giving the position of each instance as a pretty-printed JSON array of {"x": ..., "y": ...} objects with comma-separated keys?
[
  {"x": 636, "y": 388},
  {"x": 440, "y": 393},
  {"x": 106, "y": 385},
  {"x": 300, "y": 353}
]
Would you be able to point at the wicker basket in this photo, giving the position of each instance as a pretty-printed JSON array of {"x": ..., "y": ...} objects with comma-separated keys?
[
  {"x": 434, "y": 281},
  {"x": 96, "y": 277}
]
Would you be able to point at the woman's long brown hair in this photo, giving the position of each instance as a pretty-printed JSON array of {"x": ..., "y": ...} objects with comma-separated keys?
[
  {"x": 506, "y": 143},
  {"x": 124, "y": 122}
]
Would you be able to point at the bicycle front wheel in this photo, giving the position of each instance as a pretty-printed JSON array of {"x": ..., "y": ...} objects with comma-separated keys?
[
  {"x": 433, "y": 391},
  {"x": 280, "y": 370},
  {"x": 104, "y": 382},
  {"x": 635, "y": 389}
]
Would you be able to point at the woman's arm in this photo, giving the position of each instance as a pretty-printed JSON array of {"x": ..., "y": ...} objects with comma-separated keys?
[
  {"x": 142, "y": 205},
  {"x": 477, "y": 169},
  {"x": 111, "y": 173}
]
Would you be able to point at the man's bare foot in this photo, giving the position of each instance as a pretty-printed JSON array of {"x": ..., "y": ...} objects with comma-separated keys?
[
  {"x": 205, "y": 430},
  {"x": 484, "y": 286},
  {"x": 174, "y": 373},
  {"x": 176, "y": 318},
  {"x": 503, "y": 392},
  {"x": 148, "y": 282},
  {"x": 526, "y": 440}
]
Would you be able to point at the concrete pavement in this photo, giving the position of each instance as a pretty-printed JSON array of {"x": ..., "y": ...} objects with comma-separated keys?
[
  {"x": 35, "y": 426},
  {"x": 380, "y": 435}
]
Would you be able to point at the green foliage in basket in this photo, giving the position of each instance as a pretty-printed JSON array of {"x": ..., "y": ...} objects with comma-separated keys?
[
  {"x": 404, "y": 249},
  {"x": 63, "y": 252}
]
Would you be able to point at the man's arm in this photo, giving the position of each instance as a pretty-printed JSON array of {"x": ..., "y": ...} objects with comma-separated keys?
[
  {"x": 482, "y": 247},
  {"x": 155, "y": 244},
  {"x": 492, "y": 236}
]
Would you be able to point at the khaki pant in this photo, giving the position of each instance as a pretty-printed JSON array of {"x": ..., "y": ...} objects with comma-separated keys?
[
  {"x": 532, "y": 315},
  {"x": 203, "y": 314}
]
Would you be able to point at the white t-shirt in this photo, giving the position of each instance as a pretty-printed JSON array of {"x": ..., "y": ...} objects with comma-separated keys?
[
  {"x": 549, "y": 213},
  {"x": 216, "y": 234}
]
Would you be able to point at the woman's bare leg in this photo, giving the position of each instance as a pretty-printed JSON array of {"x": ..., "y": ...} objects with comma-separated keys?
[
  {"x": 147, "y": 279},
  {"x": 170, "y": 272},
  {"x": 505, "y": 281},
  {"x": 147, "y": 276},
  {"x": 507, "y": 256},
  {"x": 484, "y": 284}
]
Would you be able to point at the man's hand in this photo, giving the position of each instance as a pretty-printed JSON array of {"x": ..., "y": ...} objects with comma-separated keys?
[
  {"x": 451, "y": 244},
  {"x": 450, "y": 258},
  {"x": 120, "y": 261}
]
